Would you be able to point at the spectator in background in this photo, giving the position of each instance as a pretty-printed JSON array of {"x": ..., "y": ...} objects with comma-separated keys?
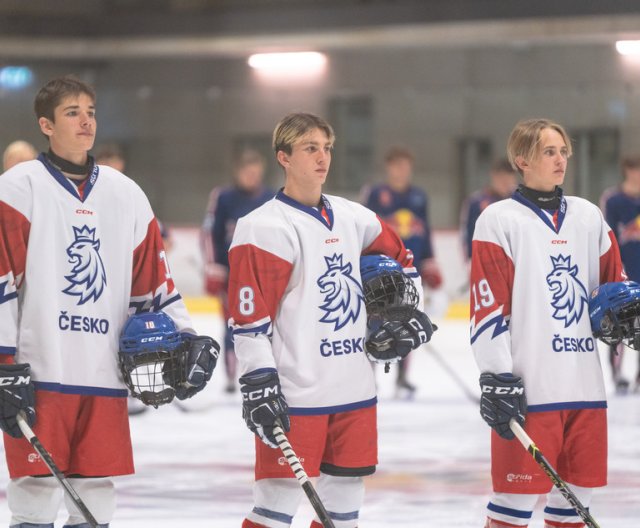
[
  {"x": 226, "y": 205},
  {"x": 502, "y": 182},
  {"x": 621, "y": 208},
  {"x": 17, "y": 152},
  {"x": 405, "y": 207},
  {"x": 111, "y": 154}
]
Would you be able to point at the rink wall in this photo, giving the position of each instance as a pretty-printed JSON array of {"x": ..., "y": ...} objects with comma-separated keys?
[{"x": 186, "y": 267}]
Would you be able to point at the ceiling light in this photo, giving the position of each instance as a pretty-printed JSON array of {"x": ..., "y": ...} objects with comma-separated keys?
[
  {"x": 292, "y": 64},
  {"x": 628, "y": 47}
]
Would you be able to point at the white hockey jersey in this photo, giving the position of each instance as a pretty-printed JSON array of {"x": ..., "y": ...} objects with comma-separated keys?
[
  {"x": 531, "y": 276},
  {"x": 296, "y": 300},
  {"x": 73, "y": 264}
]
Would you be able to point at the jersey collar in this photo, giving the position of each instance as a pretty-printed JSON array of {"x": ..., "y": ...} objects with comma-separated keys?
[
  {"x": 324, "y": 214},
  {"x": 555, "y": 222},
  {"x": 62, "y": 180}
]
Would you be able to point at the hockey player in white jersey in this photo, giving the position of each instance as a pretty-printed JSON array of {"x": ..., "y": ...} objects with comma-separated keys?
[
  {"x": 535, "y": 259},
  {"x": 80, "y": 250},
  {"x": 299, "y": 325}
]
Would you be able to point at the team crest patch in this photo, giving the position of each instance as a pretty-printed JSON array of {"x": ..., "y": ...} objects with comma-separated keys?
[
  {"x": 343, "y": 296},
  {"x": 87, "y": 278},
  {"x": 569, "y": 295}
]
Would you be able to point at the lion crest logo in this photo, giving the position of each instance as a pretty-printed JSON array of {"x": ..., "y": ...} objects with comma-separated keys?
[
  {"x": 343, "y": 295},
  {"x": 569, "y": 295},
  {"x": 87, "y": 276}
]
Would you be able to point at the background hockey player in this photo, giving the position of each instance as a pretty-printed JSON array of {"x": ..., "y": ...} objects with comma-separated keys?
[
  {"x": 502, "y": 183},
  {"x": 226, "y": 205},
  {"x": 299, "y": 324},
  {"x": 536, "y": 257},
  {"x": 621, "y": 208},
  {"x": 79, "y": 249},
  {"x": 405, "y": 207}
]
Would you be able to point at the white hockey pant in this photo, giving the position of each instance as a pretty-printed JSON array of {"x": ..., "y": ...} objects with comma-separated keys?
[
  {"x": 517, "y": 509},
  {"x": 34, "y": 502},
  {"x": 277, "y": 500}
]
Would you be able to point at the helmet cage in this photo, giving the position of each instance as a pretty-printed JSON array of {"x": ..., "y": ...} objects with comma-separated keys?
[
  {"x": 390, "y": 295},
  {"x": 621, "y": 325},
  {"x": 151, "y": 375}
]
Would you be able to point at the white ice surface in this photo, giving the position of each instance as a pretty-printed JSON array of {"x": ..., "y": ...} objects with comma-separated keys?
[{"x": 195, "y": 469}]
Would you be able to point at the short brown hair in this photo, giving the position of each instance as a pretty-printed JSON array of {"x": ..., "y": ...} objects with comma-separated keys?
[
  {"x": 396, "y": 153},
  {"x": 248, "y": 157},
  {"x": 293, "y": 126},
  {"x": 502, "y": 165},
  {"x": 525, "y": 139},
  {"x": 52, "y": 94},
  {"x": 630, "y": 162}
]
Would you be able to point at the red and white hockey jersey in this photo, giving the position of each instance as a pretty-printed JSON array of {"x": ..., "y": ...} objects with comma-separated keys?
[
  {"x": 531, "y": 276},
  {"x": 73, "y": 264},
  {"x": 296, "y": 299}
]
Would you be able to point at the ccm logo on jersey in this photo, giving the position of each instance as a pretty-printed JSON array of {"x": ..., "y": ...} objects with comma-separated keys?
[
  {"x": 331, "y": 240},
  {"x": 14, "y": 381},
  {"x": 84, "y": 212},
  {"x": 503, "y": 391},
  {"x": 559, "y": 241}
]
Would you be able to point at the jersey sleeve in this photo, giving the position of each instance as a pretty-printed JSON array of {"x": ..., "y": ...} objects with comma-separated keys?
[
  {"x": 611, "y": 268},
  {"x": 152, "y": 288},
  {"x": 260, "y": 266},
  {"x": 491, "y": 284},
  {"x": 14, "y": 239}
]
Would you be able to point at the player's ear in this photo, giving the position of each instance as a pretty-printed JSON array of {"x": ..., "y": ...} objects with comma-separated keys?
[
  {"x": 46, "y": 126},
  {"x": 283, "y": 158},
  {"x": 521, "y": 163}
]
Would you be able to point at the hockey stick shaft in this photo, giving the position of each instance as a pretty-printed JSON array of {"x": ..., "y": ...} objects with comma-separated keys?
[
  {"x": 55, "y": 470},
  {"x": 562, "y": 486},
  {"x": 303, "y": 479},
  {"x": 454, "y": 375}
]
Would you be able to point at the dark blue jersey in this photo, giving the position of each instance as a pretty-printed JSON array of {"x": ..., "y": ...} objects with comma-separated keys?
[
  {"x": 622, "y": 213},
  {"x": 226, "y": 206},
  {"x": 469, "y": 213},
  {"x": 407, "y": 213}
]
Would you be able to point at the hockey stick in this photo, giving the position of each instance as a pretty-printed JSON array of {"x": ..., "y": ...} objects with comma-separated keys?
[
  {"x": 46, "y": 457},
  {"x": 454, "y": 375},
  {"x": 302, "y": 477},
  {"x": 562, "y": 486}
]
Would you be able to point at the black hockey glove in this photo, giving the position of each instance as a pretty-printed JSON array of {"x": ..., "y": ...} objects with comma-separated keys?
[
  {"x": 16, "y": 394},
  {"x": 502, "y": 398},
  {"x": 395, "y": 339},
  {"x": 263, "y": 405},
  {"x": 201, "y": 357}
]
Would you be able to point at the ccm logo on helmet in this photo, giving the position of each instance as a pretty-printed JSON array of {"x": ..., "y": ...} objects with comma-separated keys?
[{"x": 150, "y": 339}]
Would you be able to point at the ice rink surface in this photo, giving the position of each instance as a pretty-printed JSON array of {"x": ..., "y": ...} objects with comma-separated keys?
[{"x": 195, "y": 463}]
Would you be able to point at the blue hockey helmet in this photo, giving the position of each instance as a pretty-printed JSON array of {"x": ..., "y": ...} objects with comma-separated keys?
[
  {"x": 151, "y": 357},
  {"x": 388, "y": 292},
  {"x": 614, "y": 310}
]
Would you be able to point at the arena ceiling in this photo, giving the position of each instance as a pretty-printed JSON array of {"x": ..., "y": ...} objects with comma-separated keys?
[{"x": 46, "y": 29}]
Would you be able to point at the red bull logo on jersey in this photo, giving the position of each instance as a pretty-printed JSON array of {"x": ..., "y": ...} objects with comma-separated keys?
[
  {"x": 343, "y": 295},
  {"x": 87, "y": 278},
  {"x": 569, "y": 295},
  {"x": 629, "y": 232}
]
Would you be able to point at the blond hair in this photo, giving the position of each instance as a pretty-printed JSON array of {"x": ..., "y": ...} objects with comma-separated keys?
[
  {"x": 525, "y": 137},
  {"x": 294, "y": 126}
]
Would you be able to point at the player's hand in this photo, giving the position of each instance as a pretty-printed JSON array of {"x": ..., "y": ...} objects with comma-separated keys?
[
  {"x": 502, "y": 398},
  {"x": 395, "y": 339},
  {"x": 263, "y": 404},
  {"x": 16, "y": 394},
  {"x": 215, "y": 279},
  {"x": 201, "y": 357},
  {"x": 430, "y": 273}
]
